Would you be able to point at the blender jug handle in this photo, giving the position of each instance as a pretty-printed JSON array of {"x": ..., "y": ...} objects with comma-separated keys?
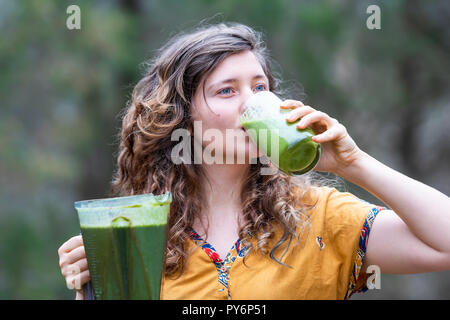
[{"x": 88, "y": 291}]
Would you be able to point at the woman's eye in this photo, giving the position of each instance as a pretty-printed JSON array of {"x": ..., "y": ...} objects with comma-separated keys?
[
  {"x": 224, "y": 91},
  {"x": 261, "y": 86},
  {"x": 227, "y": 91}
]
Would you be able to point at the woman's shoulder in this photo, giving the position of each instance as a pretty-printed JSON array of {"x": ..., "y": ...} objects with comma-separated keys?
[
  {"x": 333, "y": 205},
  {"x": 313, "y": 196}
]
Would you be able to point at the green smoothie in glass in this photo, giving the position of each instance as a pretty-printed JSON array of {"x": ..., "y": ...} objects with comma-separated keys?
[
  {"x": 125, "y": 240},
  {"x": 290, "y": 149}
]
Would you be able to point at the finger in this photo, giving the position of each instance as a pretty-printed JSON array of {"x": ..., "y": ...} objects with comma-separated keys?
[
  {"x": 70, "y": 244},
  {"x": 334, "y": 133},
  {"x": 72, "y": 276},
  {"x": 76, "y": 281},
  {"x": 79, "y": 266},
  {"x": 291, "y": 104},
  {"x": 316, "y": 116},
  {"x": 296, "y": 114},
  {"x": 76, "y": 254},
  {"x": 85, "y": 277},
  {"x": 72, "y": 257}
]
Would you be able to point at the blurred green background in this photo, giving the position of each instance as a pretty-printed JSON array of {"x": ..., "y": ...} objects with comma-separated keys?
[{"x": 61, "y": 92}]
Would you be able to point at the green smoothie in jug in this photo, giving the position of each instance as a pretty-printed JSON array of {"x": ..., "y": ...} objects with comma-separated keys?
[
  {"x": 125, "y": 240},
  {"x": 132, "y": 267}
]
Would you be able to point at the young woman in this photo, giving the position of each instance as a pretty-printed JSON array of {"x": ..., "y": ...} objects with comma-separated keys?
[{"x": 290, "y": 238}]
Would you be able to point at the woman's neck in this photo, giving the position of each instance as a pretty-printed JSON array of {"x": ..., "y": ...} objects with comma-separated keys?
[{"x": 223, "y": 185}]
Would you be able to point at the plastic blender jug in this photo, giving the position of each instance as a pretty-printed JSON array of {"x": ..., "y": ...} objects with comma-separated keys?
[{"x": 125, "y": 241}]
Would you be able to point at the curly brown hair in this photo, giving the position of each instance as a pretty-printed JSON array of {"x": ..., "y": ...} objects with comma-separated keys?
[{"x": 160, "y": 104}]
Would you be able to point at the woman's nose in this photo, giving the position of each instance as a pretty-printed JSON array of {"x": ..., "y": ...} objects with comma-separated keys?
[{"x": 246, "y": 94}]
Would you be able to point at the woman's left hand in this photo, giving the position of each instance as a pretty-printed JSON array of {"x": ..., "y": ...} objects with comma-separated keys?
[{"x": 338, "y": 149}]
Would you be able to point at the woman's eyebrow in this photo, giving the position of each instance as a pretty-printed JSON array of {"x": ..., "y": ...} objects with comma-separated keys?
[{"x": 232, "y": 80}]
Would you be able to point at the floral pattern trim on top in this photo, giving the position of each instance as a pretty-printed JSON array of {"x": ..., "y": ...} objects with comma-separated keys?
[
  {"x": 222, "y": 266},
  {"x": 357, "y": 280}
]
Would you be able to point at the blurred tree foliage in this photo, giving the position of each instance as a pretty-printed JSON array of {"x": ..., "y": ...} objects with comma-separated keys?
[{"x": 61, "y": 93}]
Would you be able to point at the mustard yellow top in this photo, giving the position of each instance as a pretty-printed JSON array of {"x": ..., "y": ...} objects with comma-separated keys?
[{"x": 326, "y": 266}]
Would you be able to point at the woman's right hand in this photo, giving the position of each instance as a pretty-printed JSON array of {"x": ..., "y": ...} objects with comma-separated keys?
[{"x": 73, "y": 264}]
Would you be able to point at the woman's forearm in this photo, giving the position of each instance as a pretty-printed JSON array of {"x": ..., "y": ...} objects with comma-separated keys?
[{"x": 425, "y": 210}]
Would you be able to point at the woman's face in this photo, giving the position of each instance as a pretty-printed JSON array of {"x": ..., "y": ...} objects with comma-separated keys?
[{"x": 226, "y": 89}]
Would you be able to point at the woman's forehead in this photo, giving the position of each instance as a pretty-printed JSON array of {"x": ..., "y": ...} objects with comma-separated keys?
[{"x": 237, "y": 66}]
